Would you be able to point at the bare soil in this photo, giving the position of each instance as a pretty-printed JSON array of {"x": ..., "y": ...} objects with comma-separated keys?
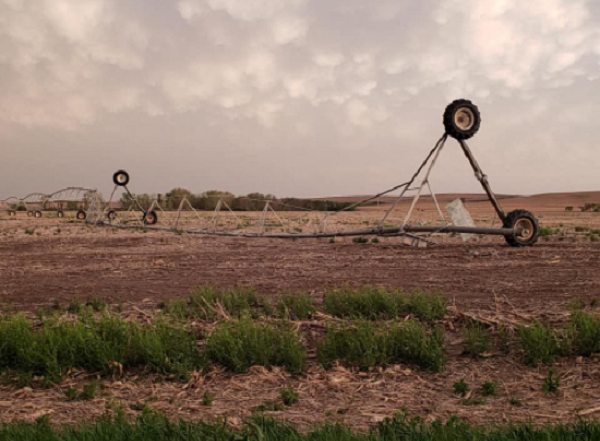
[{"x": 58, "y": 261}]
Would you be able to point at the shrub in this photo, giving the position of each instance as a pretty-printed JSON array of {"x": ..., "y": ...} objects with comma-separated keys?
[
  {"x": 374, "y": 303},
  {"x": 360, "y": 240},
  {"x": 95, "y": 345},
  {"x": 208, "y": 302},
  {"x": 585, "y": 333},
  {"x": 298, "y": 306},
  {"x": 240, "y": 345},
  {"x": 366, "y": 345},
  {"x": 477, "y": 339},
  {"x": 540, "y": 343}
]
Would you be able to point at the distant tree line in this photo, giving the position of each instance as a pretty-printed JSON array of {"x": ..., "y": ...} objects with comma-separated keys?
[{"x": 250, "y": 202}]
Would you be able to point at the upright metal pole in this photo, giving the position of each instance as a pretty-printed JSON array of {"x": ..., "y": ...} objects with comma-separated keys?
[
  {"x": 482, "y": 178},
  {"x": 264, "y": 218}
]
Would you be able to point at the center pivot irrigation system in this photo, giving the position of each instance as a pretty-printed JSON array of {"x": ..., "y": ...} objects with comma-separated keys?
[{"x": 461, "y": 120}]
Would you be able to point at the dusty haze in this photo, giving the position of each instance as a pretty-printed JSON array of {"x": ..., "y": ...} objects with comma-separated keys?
[{"x": 296, "y": 97}]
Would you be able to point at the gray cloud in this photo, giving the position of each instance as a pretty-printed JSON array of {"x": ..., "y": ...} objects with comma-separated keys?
[{"x": 295, "y": 97}]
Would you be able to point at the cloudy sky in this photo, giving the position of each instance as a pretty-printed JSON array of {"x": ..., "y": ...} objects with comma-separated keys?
[{"x": 296, "y": 97}]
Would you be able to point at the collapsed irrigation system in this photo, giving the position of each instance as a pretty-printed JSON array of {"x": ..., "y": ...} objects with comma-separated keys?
[{"x": 461, "y": 121}]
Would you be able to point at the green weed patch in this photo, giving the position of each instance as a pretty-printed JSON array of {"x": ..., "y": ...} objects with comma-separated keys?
[{"x": 367, "y": 345}]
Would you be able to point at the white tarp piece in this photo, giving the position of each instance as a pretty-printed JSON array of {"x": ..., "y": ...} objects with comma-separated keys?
[{"x": 460, "y": 217}]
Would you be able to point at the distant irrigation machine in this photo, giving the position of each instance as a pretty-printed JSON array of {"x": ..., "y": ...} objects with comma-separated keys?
[{"x": 461, "y": 120}]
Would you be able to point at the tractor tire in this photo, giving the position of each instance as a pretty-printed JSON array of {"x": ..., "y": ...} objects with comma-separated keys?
[
  {"x": 528, "y": 223},
  {"x": 462, "y": 119},
  {"x": 150, "y": 218},
  {"x": 37, "y": 214},
  {"x": 60, "y": 214},
  {"x": 81, "y": 215},
  {"x": 111, "y": 215},
  {"x": 121, "y": 178}
]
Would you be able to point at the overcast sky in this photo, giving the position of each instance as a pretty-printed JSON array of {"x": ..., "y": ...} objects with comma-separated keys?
[{"x": 296, "y": 97}]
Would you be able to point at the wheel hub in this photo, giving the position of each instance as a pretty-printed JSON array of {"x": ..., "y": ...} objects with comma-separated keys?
[
  {"x": 464, "y": 118},
  {"x": 526, "y": 227}
]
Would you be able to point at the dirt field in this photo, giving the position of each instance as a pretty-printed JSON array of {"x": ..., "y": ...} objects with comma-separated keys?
[{"x": 46, "y": 261}]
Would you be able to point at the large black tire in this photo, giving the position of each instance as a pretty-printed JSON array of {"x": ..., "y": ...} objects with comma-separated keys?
[
  {"x": 81, "y": 215},
  {"x": 121, "y": 178},
  {"x": 528, "y": 223},
  {"x": 150, "y": 218},
  {"x": 111, "y": 215},
  {"x": 60, "y": 214},
  {"x": 38, "y": 214},
  {"x": 462, "y": 119}
]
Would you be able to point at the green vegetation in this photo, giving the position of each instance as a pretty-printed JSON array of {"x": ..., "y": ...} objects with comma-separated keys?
[
  {"x": 580, "y": 337},
  {"x": 240, "y": 345},
  {"x": 367, "y": 345},
  {"x": 551, "y": 382},
  {"x": 545, "y": 232},
  {"x": 360, "y": 240},
  {"x": 208, "y": 399},
  {"x": 96, "y": 345},
  {"x": 289, "y": 396},
  {"x": 298, "y": 306},
  {"x": 489, "y": 388},
  {"x": 210, "y": 303},
  {"x": 477, "y": 339},
  {"x": 461, "y": 387},
  {"x": 152, "y": 426},
  {"x": 539, "y": 342},
  {"x": 380, "y": 303}
]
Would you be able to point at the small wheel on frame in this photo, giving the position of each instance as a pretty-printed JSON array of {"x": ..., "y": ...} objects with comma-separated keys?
[
  {"x": 111, "y": 215},
  {"x": 150, "y": 218},
  {"x": 37, "y": 214},
  {"x": 528, "y": 225},
  {"x": 60, "y": 214},
  {"x": 121, "y": 178},
  {"x": 462, "y": 119},
  {"x": 81, "y": 215},
  {"x": 30, "y": 214}
]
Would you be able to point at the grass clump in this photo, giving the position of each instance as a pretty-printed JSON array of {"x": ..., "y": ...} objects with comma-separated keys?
[
  {"x": 360, "y": 240},
  {"x": 540, "y": 343},
  {"x": 585, "y": 333},
  {"x": 209, "y": 303},
  {"x": 298, "y": 306},
  {"x": 154, "y": 426},
  {"x": 550, "y": 383},
  {"x": 289, "y": 396},
  {"x": 489, "y": 389},
  {"x": 366, "y": 345},
  {"x": 477, "y": 339},
  {"x": 461, "y": 387},
  {"x": 95, "y": 345},
  {"x": 375, "y": 303},
  {"x": 89, "y": 392},
  {"x": 242, "y": 344}
]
